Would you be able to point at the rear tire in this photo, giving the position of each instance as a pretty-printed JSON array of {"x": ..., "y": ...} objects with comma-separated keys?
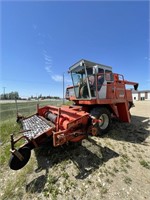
[
  {"x": 103, "y": 114},
  {"x": 15, "y": 163}
]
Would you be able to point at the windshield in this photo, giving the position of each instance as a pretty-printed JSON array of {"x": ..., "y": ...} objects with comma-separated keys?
[{"x": 81, "y": 77}]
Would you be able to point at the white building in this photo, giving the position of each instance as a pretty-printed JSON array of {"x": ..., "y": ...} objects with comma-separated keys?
[{"x": 141, "y": 95}]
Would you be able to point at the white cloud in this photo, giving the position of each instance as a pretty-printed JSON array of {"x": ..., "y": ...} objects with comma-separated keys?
[
  {"x": 57, "y": 78},
  {"x": 48, "y": 62},
  {"x": 48, "y": 69},
  {"x": 48, "y": 59},
  {"x": 68, "y": 80}
]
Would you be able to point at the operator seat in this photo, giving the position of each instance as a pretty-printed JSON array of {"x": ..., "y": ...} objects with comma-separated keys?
[{"x": 84, "y": 91}]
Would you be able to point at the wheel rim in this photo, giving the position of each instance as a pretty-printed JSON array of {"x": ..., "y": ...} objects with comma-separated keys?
[{"x": 104, "y": 121}]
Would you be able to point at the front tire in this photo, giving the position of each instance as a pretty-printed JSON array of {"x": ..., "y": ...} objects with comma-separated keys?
[
  {"x": 104, "y": 115},
  {"x": 15, "y": 163}
]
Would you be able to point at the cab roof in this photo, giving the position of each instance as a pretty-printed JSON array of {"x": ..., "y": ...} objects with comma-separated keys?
[{"x": 88, "y": 64}]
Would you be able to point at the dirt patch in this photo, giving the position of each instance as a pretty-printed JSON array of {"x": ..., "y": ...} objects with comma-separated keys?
[{"x": 116, "y": 166}]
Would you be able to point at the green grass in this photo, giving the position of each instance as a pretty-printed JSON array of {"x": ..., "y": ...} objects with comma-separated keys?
[
  {"x": 13, "y": 189},
  {"x": 6, "y": 128},
  {"x": 5, "y": 154},
  {"x": 145, "y": 164},
  {"x": 65, "y": 175},
  {"x": 8, "y": 110},
  {"x": 51, "y": 190}
]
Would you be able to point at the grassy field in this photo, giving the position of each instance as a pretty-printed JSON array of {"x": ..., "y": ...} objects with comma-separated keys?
[{"x": 9, "y": 110}]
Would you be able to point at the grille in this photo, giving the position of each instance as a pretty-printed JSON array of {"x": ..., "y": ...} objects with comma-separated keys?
[{"x": 34, "y": 126}]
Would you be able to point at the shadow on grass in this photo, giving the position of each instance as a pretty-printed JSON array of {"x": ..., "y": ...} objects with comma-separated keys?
[
  {"x": 87, "y": 157},
  {"x": 37, "y": 184},
  {"x": 134, "y": 132},
  {"x": 91, "y": 157}
]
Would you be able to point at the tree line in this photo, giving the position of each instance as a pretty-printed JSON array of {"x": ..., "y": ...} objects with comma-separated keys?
[
  {"x": 10, "y": 96},
  {"x": 44, "y": 97},
  {"x": 15, "y": 95}
]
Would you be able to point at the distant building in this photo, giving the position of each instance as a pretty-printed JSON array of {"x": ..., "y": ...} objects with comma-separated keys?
[{"x": 141, "y": 95}]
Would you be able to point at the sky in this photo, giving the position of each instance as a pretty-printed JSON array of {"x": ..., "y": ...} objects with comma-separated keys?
[{"x": 40, "y": 40}]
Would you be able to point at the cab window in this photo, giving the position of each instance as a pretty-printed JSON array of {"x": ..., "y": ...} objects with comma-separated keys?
[{"x": 108, "y": 75}]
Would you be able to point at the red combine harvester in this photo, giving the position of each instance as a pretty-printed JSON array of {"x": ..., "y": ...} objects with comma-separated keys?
[{"x": 98, "y": 95}]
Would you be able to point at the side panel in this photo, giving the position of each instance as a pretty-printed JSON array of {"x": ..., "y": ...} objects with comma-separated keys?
[
  {"x": 129, "y": 95},
  {"x": 102, "y": 92},
  {"x": 123, "y": 112},
  {"x": 110, "y": 91},
  {"x": 120, "y": 91}
]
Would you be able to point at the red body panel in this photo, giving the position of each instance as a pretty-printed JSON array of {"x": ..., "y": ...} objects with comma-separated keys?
[{"x": 118, "y": 98}]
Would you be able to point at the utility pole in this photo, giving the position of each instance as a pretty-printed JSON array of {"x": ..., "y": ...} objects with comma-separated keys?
[{"x": 63, "y": 86}]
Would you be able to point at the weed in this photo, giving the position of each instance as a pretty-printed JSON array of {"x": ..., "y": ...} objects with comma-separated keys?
[
  {"x": 128, "y": 166},
  {"x": 109, "y": 180},
  {"x": 99, "y": 185},
  {"x": 124, "y": 147},
  {"x": 104, "y": 190},
  {"x": 125, "y": 157},
  {"x": 123, "y": 169},
  {"x": 72, "y": 184},
  {"x": 115, "y": 169},
  {"x": 127, "y": 180},
  {"x": 51, "y": 189},
  {"x": 145, "y": 164},
  {"x": 115, "y": 161},
  {"x": 65, "y": 175},
  {"x": 106, "y": 171},
  {"x": 111, "y": 173},
  {"x": 122, "y": 161},
  {"x": 89, "y": 181}
]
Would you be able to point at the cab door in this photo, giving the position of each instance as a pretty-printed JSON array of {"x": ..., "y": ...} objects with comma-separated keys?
[
  {"x": 104, "y": 77},
  {"x": 101, "y": 84}
]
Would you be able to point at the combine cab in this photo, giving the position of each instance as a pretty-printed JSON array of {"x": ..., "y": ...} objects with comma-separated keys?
[{"x": 98, "y": 95}]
